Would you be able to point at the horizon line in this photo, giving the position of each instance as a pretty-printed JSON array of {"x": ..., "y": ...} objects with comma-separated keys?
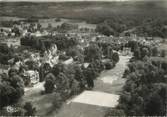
[{"x": 38, "y": 1}]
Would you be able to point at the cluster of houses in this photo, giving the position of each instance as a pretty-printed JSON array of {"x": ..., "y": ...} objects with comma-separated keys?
[
  {"x": 84, "y": 36},
  {"x": 22, "y": 30},
  {"x": 31, "y": 76}
]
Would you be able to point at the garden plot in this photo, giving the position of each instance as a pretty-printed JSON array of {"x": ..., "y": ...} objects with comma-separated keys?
[{"x": 97, "y": 98}]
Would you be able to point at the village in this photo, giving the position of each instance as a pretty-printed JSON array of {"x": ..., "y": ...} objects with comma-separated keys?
[
  {"x": 69, "y": 58},
  {"x": 11, "y": 37}
]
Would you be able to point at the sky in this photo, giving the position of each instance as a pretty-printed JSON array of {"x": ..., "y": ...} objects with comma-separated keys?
[{"x": 71, "y": 0}]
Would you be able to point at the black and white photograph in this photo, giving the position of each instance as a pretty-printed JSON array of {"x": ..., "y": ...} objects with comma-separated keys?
[{"x": 83, "y": 58}]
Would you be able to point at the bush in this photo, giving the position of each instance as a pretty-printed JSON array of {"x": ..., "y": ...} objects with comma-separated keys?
[
  {"x": 75, "y": 88},
  {"x": 163, "y": 53},
  {"x": 49, "y": 85},
  {"x": 144, "y": 93},
  {"x": 105, "y": 29},
  {"x": 109, "y": 65},
  {"x": 30, "y": 110},
  {"x": 12, "y": 89},
  {"x": 92, "y": 52},
  {"x": 115, "y": 57}
]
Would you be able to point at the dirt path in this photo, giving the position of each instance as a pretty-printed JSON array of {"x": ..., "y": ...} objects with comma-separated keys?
[{"x": 111, "y": 81}]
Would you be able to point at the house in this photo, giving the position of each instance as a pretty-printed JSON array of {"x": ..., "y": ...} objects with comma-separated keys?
[
  {"x": 149, "y": 38},
  {"x": 86, "y": 65},
  {"x": 32, "y": 75},
  {"x": 69, "y": 61},
  {"x": 126, "y": 51},
  {"x": 38, "y": 34},
  {"x": 4, "y": 68}
]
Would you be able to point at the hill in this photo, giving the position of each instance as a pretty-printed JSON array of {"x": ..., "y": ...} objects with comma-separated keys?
[{"x": 90, "y": 11}]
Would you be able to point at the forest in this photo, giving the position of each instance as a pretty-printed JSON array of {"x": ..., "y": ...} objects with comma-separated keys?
[
  {"x": 144, "y": 93},
  {"x": 146, "y": 18}
]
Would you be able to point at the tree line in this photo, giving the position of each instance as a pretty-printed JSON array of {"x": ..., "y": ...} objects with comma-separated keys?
[{"x": 145, "y": 90}]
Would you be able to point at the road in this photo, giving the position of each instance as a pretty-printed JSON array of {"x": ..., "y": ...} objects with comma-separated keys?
[{"x": 111, "y": 81}]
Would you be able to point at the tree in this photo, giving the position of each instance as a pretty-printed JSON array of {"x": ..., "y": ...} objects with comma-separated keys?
[
  {"x": 154, "y": 106},
  {"x": 89, "y": 75},
  {"x": 32, "y": 65},
  {"x": 79, "y": 76},
  {"x": 155, "y": 51},
  {"x": 133, "y": 45},
  {"x": 41, "y": 73},
  {"x": 30, "y": 110},
  {"x": 63, "y": 85},
  {"x": 49, "y": 83},
  {"x": 12, "y": 71},
  {"x": 163, "y": 53},
  {"x": 57, "y": 69},
  {"x": 144, "y": 52},
  {"x": 49, "y": 26},
  {"x": 11, "y": 89},
  {"x": 6, "y": 91},
  {"x": 44, "y": 70},
  {"x": 62, "y": 82},
  {"x": 75, "y": 53},
  {"x": 39, "y": 26},
  {"x": 17, "y": 83},
  {"x": 75, "y": 87},
  {"x": 92, "y": 52},
  {"x": 115, "y": 57},
  {"x": 109, "y": 65},
  {"x": 145, "y": 91},
  {"x": 109, "y": 52},
  {"x": 137, "y": 54},
  {"x": 105, "y": 29},
  {"x": 49, "y": 86},
  {"x": 42, "y": 46}
]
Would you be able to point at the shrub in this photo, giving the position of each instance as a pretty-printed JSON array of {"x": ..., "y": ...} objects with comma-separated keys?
[
  {"x": 30, "y": 110},
  {"x": 115, "y": 57},
  {"x": 109, "y": 65},
  {"x": 49, "y": 85}
]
